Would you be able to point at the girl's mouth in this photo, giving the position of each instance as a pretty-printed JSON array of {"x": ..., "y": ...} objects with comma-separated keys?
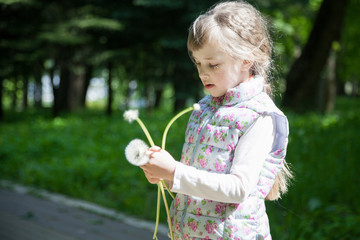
[{"x": 209, "y": 86}]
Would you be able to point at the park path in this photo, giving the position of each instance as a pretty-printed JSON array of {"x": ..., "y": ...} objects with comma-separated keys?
[{"x": 45, "y": 216}]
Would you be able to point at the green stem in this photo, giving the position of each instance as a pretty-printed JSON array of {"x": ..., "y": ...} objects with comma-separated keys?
[
  {"x": 157, "y": 212},
  {"x": 162, "y": 183},
  {"x": 167, "y": 188},
  {"x": 160, "y": 186},
  {"x": 142, "y": 125},
  {"x": 165, "y": 134},
  {"x": 167, "y": 212},
  {"x": 171, "y": 122}
]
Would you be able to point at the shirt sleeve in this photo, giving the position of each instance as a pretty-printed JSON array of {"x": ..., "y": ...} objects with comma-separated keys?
[{"x": 250, "y": 154}]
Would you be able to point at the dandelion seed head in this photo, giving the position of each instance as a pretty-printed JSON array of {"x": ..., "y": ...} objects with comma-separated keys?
[
  {"x": 131, "y": 115},
  {"x": 135, "y": 152},
  {"x": 196, "y": 107}
]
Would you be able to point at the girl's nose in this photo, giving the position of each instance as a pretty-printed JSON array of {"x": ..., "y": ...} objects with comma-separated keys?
[{"x": 203, "y": 75}]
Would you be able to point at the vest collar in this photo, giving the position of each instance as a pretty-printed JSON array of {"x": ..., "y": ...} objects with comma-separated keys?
[{"x": 243, "y": 92}]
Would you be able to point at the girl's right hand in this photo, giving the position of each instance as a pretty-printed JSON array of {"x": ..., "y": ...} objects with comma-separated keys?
[{"x": 160, "y": 166}]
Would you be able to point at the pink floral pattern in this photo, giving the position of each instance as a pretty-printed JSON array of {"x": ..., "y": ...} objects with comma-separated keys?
[
  {"x": 210, "y": 227},
  {"x": 193, "y": 224}
]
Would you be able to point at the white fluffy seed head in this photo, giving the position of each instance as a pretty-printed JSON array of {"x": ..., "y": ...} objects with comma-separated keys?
[
  {"x": 131, "y": 115},
  {"x": 196, "y": 107},
  {"x": 135, "y": 152}
]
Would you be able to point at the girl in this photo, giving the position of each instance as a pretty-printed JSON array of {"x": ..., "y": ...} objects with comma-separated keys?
[{"x": 233, "y": 155}]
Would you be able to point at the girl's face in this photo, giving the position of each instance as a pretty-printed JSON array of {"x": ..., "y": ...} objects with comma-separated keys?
[{"x": 218, "y": 71}]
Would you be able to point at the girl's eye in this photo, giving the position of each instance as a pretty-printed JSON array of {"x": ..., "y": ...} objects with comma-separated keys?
[{"x": 213, "y": 66}]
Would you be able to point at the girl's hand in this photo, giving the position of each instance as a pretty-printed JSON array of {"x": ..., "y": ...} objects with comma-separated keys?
[{"x": 160, "y": 166}]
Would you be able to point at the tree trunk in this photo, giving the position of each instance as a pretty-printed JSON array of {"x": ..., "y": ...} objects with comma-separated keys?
[
  {"x": 76, "y": 87},
  {"x": 88, "y": 76},
  {"x": 1, "y": 100},
  {"x": 327, "y": 86},
  {"x": 55, "y": 89},
  {"x": 110, "y": 91},
  {"x": 64, "y": 88},
  {"x": 38, "y": 90},
  {"x": 25, "y": 91},
  {"x": 14, "y": 94},
  {"x": 304, "y": 76},
  {"x": 61, "y": 94},
  {"x": 158, "y": 96},
  {"x": 330, "y": 84}
]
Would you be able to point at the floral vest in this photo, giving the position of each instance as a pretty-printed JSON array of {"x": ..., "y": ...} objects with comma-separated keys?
[{"x": 211, "y": 137}]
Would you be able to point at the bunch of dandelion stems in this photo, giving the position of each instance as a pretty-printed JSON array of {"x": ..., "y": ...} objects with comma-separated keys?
[{"x": 162, "y": 183}]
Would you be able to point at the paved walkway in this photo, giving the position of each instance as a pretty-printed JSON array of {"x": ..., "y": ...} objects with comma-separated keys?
[{"x": 54, "y": 217}]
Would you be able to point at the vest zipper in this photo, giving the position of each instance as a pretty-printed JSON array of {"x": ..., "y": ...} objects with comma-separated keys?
[{"x": 191, "y": 163}]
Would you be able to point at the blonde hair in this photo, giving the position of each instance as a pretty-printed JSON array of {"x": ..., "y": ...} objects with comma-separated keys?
[
  {"x": 281, "y": 183},
  {"x": 240, "y": 30}
]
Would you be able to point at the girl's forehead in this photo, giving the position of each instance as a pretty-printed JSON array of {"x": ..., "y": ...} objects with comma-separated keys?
[{"x": 208, "y": 51}]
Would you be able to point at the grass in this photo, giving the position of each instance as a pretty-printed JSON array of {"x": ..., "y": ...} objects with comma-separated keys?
[{"x": 82, "y": 155}]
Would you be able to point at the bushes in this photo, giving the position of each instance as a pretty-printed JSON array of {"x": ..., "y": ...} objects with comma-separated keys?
[{"x": 322, "y": 202}]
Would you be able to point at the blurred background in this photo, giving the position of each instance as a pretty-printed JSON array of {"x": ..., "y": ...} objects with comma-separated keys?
[{"x": 69, "y": 69}]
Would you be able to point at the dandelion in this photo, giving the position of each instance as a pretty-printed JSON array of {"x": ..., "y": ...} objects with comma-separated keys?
[
  {"x": 196, "y": 107},
  {"x": 135, "y": 152},
  {"x": 131, "y": 115}
]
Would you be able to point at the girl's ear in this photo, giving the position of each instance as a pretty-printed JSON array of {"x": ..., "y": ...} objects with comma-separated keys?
[{"x": 246, "y": 65}]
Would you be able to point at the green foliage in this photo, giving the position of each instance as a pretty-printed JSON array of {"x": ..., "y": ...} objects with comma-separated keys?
[
  {"x": 349, "y": 52},
  {"x": 323, "y": 152},
  {"x": 9, "y": 2}
]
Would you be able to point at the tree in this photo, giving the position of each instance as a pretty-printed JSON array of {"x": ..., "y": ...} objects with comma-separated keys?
[
  {"x": 75, "y": 34},
  {"x": 302, "y": 83}
]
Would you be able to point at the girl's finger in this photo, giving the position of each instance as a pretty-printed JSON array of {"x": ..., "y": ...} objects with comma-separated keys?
[
  {"x": 149, "y": 152},
  {"x": 154, "y": 180},
  {"x": 145, "y": 166},
  {"x": 155, "y": 149}
]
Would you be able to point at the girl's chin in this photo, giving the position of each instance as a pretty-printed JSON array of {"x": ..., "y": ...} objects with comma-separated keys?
[{"x": 216, "y": 94}]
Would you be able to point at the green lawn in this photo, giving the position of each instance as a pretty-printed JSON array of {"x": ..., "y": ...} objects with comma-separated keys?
[{"x": 82, "y": 155}]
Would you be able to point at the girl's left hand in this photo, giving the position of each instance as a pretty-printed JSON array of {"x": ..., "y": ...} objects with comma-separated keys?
[{"x": 160, "y": 166}]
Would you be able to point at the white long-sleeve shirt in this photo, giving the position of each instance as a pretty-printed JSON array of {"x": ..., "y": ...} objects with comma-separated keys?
[{"x": 250, "y": 154}]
